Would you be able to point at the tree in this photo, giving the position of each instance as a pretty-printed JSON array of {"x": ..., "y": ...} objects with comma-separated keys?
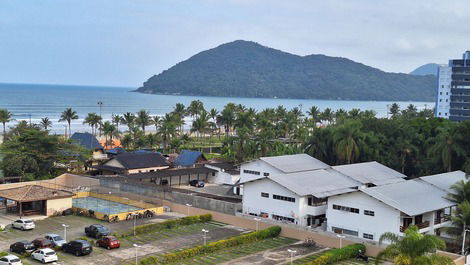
[
  {"x": 201, "y": 124},
  {"x": 394, "y": 110},
  {"x": 166, "y": 130},
  {"x": 93, "y": 120},
  {"x": 412, "y": 249},
  {"x": 5, "y": 117},
  {"x": 109, "y": 131},
  {"x": 143, "y": 119},
  {"x": 128, "y": 119},
  {"x": 314, "y": 113},
  {"x": 227, "y": 117},
  {"x": 327, "y": 115},
  {"x": 68, "y": 115},
  {"x": 195, "y": 108},
  {"x": 117, "y": 120},
  {"x": 46, "y": 123},
  {"x": 347, "y": 140},
  {"x": 446, "y": 147}
]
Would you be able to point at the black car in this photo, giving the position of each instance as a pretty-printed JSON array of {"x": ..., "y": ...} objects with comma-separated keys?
[
  {"x": 78, "y": 247},
  {"x": 21, "y": 247},
  {"x": 197, "y": 183},
  {"x": 97, "y": 231}
]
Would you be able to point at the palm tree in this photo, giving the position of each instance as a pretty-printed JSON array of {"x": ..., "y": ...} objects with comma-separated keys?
[
  {"x": 327, "y": 115},
  {"x": 195, "y": 108},
  {"x": 394, "y": 110},
  {"x": 46, "y": 123},
  {"x": 447, "y": 147},
  {"x": 117, "y": 120},
  {"x": 5, "y": 117},
  {"x": 227, "y": 117},
  {"x": 201, "y": 124},
  {"x": 412, "y": 249},
  {"x": 314, "y": 113},
  {"x": 166, "y": 129},
  {"x": 143, "y": 119},
  {"x": 347, "y": 140},
  {"x": 68, "y": 115},
  {"x": 93, "y": 120},
  {"x": 128, "y": 119},
  {"x": 109, "y": 131}
]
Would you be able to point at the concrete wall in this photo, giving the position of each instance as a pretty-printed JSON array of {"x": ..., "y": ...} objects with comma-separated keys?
[
  {"x": 386, "y": 219},
  {"x": 58, "y": 205},
  {"x": 163, "y": 193}
]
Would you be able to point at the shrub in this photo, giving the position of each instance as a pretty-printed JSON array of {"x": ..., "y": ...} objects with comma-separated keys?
[
  {"x": 270, "y": 232},
  {"x": 168, "y": 224},
  {"x": 338, "y": 254},
  {"x": 3, "y": 253}
]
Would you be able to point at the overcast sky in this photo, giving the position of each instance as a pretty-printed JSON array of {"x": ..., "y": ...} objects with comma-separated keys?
[{"x": 124, "y": 42}]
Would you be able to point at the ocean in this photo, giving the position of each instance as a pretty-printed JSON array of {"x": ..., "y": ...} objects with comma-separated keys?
[{"x": 32, "y": 101}]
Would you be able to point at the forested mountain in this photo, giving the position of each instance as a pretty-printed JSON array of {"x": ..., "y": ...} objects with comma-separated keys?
[
  {"x": 427, "y": 69},
  {"x": 248, "y": 69}
]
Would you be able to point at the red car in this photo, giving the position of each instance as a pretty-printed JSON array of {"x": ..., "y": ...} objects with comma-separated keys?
[
  {"x": 42, "y": 243},
  {"x": 108, "y": 242}
]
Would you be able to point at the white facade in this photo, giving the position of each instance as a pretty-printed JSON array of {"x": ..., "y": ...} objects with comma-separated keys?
[
  {"x": 222, "y": 177},
  {"x": 385, "y": 218},
  {"x": 443, "y": 92},
  {"x": 256, "y": 169}
]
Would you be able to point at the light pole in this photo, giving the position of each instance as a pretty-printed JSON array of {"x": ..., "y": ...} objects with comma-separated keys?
[
  {"x": 340, "y": 240},
  {"x": 134, "y": 215},
  {"x": 189, "y": 206},
  {"x": 463, "y": 241},
  {"x": 257, "y": 223},
  {"x": 109, "y": 205},
  {"x": 100, "y": 103},
  {"x": 65, "y": 232},
  {"x": 292, "y": 252},
  {"x": 205, "y": 233},
  {"x": 136, "y": 247},
  {"x": 388, "y": 109}
]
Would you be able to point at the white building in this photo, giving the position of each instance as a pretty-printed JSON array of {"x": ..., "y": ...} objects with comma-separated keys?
[
  {"x": 296, "y": 188},
  {"x": 370, "y": 212}
]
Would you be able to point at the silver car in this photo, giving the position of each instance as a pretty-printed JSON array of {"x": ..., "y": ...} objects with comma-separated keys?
[
  {"x": 55, "y": 239},
  {"x": 23, "y": 224}
]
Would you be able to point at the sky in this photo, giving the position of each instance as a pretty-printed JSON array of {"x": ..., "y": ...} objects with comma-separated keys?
[{"x": 124, "y": 42}]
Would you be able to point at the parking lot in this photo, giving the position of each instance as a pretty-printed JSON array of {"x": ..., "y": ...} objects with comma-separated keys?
[{"x": 150, "y": 243}]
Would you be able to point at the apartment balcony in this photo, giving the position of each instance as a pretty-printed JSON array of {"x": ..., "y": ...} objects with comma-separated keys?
[
  {"x": 463, "y": 112},
  {"x": 459, "y": 97},
  {"x": 422, "y": 225},
  {"x": 442, "y": 219}
]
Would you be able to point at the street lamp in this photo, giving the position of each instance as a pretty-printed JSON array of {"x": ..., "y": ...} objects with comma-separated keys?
[
  {"x": 292, "y": 252},
  {"x": 136, "y": 247},
  {"x": 340, "y": 240},
  {"x": 189, "y": 205},
  {"x": 109, "y": 205},
  {"x": 257, "y": 223},
  {"x": 100, "y": 103},
  {"x": 65, "y": 232},
  {"x": 205, "y": 234},
  {"x": 134, "y": 215},
  {"x": 463, "y": 240}
]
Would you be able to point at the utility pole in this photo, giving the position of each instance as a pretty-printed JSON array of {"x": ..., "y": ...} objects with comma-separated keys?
[{"x": 100, "y": 103}]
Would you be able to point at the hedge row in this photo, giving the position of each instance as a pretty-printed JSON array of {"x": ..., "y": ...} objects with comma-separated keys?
[
  {"x": 339, "y": 254},
  {"x": 168, "y": 224},
  {"x": 221, "y": 244}
]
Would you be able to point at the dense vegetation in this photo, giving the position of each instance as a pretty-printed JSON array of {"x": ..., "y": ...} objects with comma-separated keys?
[
  {"x": 32, "y": 153},
  {"x": 410, "y": 141},
  {"x": 247, "y": 69}
]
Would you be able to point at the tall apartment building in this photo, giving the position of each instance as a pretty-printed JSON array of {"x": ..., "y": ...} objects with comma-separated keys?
[{"x": 453, "y": 92}]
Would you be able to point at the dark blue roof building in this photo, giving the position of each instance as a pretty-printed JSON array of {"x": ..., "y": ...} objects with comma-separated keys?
[
  {"x": 188, "y": 158},
  {"x": 86, "y": 140}
]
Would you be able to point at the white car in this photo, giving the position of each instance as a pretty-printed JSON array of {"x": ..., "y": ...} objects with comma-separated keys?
[
  {"x": 10, "y": 260},
  {"x": 45, "y": 255},
  {"x": 23, "y": 224},
  {"x": 55, "y": 239}
]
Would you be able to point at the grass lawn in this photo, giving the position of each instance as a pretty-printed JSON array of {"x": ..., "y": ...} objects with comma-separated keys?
[
  {"x": 240, "y": 251},
  {"x": 167, "y": 233},
  {"x": 314, "y": 256}
]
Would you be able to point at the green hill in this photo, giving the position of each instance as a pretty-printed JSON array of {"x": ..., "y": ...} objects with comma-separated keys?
[{"x": 248, "y": 69}]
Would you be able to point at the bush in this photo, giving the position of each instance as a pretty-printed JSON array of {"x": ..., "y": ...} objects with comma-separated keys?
[
  {"x": 3, "y": 254},
  {"x": 221, "y": 244},
  {"x": 168, "y": 224},
  {"x": 339, "y": 254}
]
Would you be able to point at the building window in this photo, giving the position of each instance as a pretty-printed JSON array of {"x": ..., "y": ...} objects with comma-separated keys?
[
  {"x": 345, "y": 209},
  {"x": 370, "y": 213},
  {"x": 314, "y": 201},
  {"x": 440, "y": 93},
  {"x": 440, "y": 100},
  {"x": 338, "y": 230},
  {"x": 439, "y": 113},
  {"x": 283, "y": 218},
  {"x": 264, "y": 194},
  {"x": 252, "y": 172},
  {"x": 447, "y": 100},
  {"x": 283, "y": 198},
  {"x": 265, "y": 174},
  {"x": 368, "y": 236}
]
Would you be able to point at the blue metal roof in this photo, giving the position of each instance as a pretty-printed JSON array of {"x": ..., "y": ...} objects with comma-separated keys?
[
  {"x": 187, "y": 158},
  {"x": 116, "y": 151},
  {"x": 86, "y": 140}
]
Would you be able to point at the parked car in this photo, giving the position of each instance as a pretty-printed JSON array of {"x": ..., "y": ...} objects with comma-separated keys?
[
  {"x": 164, "y": 182},
  {"x": 10, "y": 260},
  {"x": 41, "y": 242},
  {"x": 45, "y": 255},
  {"x": 22, "y": 246},
  {"x": 55, "y": 239},
  {"x": 196, "y": 183},
  {"x": 96, "y": 231},
  {"x": 23, "y": 224},
  {"x": 78, "y": 247},
  {"x": 108, "y": 242}
]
